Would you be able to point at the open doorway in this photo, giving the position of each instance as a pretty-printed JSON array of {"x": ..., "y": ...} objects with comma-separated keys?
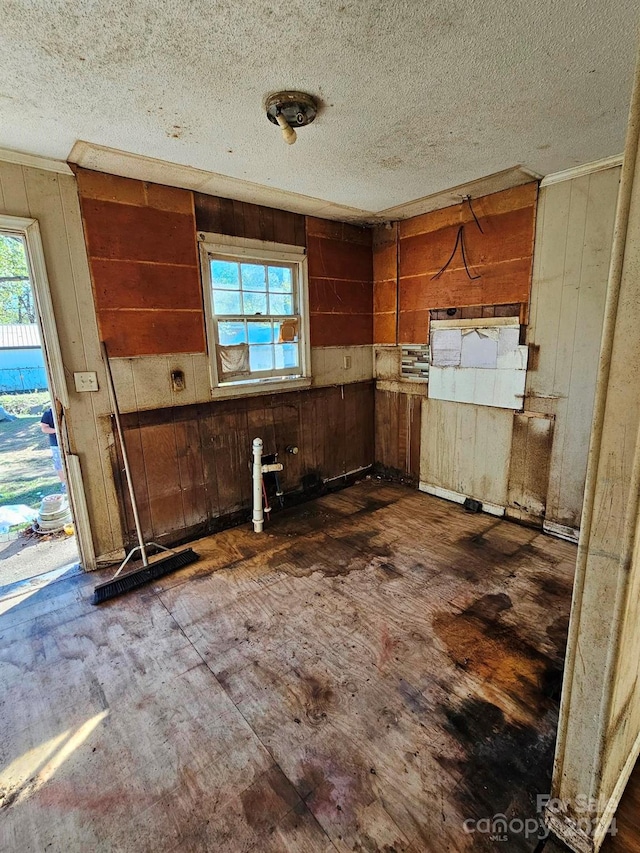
[{"x": 37, "y": 530}]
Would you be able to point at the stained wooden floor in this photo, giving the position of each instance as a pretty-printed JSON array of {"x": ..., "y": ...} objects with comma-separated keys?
[{"x": 374, "y": 671}]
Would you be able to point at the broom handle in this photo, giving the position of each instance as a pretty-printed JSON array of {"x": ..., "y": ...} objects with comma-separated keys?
[{"x": 125, "y": 458}]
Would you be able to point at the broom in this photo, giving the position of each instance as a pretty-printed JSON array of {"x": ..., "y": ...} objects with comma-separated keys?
[{"x": 120, "y": 584}]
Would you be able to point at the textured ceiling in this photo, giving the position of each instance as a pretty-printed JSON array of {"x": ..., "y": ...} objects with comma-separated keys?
[{"x": 416, "y": 96}]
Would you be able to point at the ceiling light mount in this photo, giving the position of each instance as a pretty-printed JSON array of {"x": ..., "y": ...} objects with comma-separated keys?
[{"x": 289, "y": 110}]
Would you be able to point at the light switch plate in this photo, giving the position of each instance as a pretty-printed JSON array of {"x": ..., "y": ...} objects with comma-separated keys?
[
  {"x": 86, "y": 381},
  {"x": 346, "y": 362}
]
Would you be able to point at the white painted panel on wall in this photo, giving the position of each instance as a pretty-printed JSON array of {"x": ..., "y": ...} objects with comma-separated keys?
[
  {"x": 479, "y": 362},
  {"x": 466, "y": 449},
  {"x": 502, "y": 388},
  {"x": 571, "y": 260}
]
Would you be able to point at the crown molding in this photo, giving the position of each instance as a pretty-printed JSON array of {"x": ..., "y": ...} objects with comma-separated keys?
[
  {"x": 102, "y": 159},
  {"x": 504, "y": 180},
  {"x": 581, "y": 171},
  {"x": 99, "y": 158},
  {"x": 33, "y": 161}
]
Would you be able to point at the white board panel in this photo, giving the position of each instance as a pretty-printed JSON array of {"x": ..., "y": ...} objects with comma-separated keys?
[{"x": 502, "y": 387}]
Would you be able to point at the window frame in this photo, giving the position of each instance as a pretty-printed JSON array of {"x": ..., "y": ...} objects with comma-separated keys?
[{"x": 241, "y": 249}]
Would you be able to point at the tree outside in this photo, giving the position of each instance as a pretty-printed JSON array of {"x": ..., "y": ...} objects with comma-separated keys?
[{"x": 16, "y": 298}]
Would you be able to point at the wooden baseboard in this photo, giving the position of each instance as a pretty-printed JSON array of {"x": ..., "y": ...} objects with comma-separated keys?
[
  {"x": 562, "y": 531},
  {"x": 457, "y": 497}
]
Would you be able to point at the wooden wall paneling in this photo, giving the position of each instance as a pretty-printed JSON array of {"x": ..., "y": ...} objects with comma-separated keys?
[
  {"x": 260, "y": 423},
  {"x": 415, "y": 427},
  {"x": 232, "y": 446},
  {"x": 387, "y": 430},
  {"x": 501, "y": 256},
  {"x": 162, "y": 470},
  {"x": 403, "y": 441},
  {"x": 467, "y": 469},
  {"x": 120, "y": 231},
  {"x": 602, "y": 193},
  {"x": 143, "y": 284},
  {"x": 318, "y": 433},
  {"x": 241, "y": 219},
  {"x": 243, "y": 454},
  {"x": 366, "y": 411},
  {"x": 152, "y": 332},
  {"x": 340, "y": 283},
  {"x": 307, "y": 434},
  {"x": 191, "y": 464},
  {"x": 466, "y": 449},
  {"x": 286, "y": 418},
  {"x": 52, "y": 199},
  {"x": 191, "y": 467},
  {"x": 385, "y": 284},
  {"x": 204, "y": 415},
  {"x": 333, "y": 426},
  {"x": 529, "y": 468},
  {"x": 86, "y": 425},
  {"x": 354, "y": 451},
  {"x": 381, "y": 433},
  {"x": 224, "y": 453},
  {"x": 142, "y": 250},
  {"x": 573, "y": 247},
  {"x": 135, "y": 454}
]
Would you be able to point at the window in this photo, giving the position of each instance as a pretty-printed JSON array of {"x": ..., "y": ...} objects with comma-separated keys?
[{"x": 256, "y": 300}]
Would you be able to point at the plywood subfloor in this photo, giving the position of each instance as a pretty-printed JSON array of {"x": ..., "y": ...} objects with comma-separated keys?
[{"x": 373, "y": 671}]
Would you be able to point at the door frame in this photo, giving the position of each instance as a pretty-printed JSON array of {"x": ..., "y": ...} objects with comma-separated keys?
[{"x": 29, "y": 229}]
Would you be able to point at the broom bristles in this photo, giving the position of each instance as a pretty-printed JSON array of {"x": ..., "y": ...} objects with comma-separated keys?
[{"x": 132, "y": 580}]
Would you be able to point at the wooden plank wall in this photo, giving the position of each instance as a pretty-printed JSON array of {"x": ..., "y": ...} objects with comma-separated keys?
[
  {"x": 189, "y": 460},
  {"x": 529, "y": 467},
  {"x": 407, "y": 297},
  {"x": 573, "y": 249},
  {"x": 141, "y": 242},
  {"x": 52, "y": 199},
  {"x": 340, "y": 283},
  {"x": 385, "y": 284},
  {"x": 190, "y": 464},
  {"x": 502, "y": 256},
  {"x": 398, "y": 426},
  {"x": 241, "y": 219},
  {"x": 466, "y": 449}
]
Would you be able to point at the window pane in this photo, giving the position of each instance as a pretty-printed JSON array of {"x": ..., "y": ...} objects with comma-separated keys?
[
  {"x": 224, "y": 275},
  {"x": 286, "y": 355},
  {"x": 231, "y": 332},
  {"x": 261, "y": 357},
  {"x": 255, "y": 303},
  {"x": 253, "y": 277},
  {"x": 281, "y": 303},
  {"x": 280, "y": 280},
  {"x": 227, "y": 302},
  {"x": 260, "y": 333}
]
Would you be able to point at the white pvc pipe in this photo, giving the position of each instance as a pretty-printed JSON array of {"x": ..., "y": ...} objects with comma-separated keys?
[{"x": 258, "y": 512}]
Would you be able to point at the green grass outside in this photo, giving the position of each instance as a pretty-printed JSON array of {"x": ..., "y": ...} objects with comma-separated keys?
[
  {"x": 25, "y": 458},
  {"x": 21, "y": 404}
]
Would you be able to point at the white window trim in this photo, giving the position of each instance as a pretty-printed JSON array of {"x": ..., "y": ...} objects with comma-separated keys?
[{"x": 258, "y": 250}]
